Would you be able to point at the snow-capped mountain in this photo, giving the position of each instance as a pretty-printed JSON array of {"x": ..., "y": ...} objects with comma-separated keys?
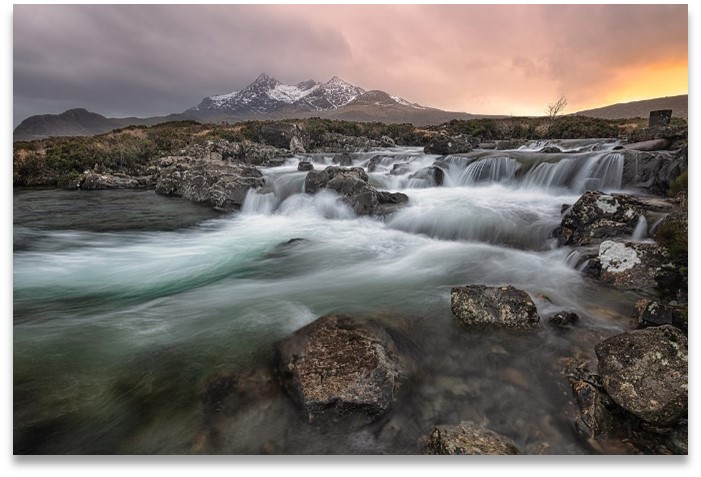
[{"x": 268, "y": 95}]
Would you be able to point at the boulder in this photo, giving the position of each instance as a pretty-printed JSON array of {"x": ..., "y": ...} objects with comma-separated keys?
[
  {"x": 282, "y": 135},
  {"x": 386, "y": 141},
  {"x": 646, "y": 373},
  {"x": 653, "y": 171},
  {"x": 305, "y": 166},
  {"x": 656, "y": 313},
  {"x": 635, "y": 265},
  {"x": 443, "y": 144},
  {"x": 504, "y": 306},
  {"x": 342, "y": 160},
  {"x": 337, "y": 366},
  {"x": 596, "y": 215},
  {"x": 352, "y": 185},
  {"x": 297, "y": 146},
  {"x": 431, "y": 173},
  {"x": 467, "y": 439},
  {"x": 220, "y": 184}
]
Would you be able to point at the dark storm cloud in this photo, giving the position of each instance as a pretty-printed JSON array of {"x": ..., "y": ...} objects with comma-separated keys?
[{"x": 147, "y": 60}]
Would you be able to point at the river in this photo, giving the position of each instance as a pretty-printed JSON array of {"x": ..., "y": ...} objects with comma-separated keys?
[{"x": 126, "y": 303}]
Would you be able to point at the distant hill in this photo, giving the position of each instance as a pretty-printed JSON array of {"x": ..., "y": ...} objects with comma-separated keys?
[{"x": 641, "y": 109}]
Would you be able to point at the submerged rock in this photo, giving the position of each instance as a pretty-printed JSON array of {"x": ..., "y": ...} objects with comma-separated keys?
[
  {"x": 337, "y": 366},
  {"x": 564, "y": 319},
  {"x": 501, "y": 306},
  {"x": 433, "y": 173},
  {"x": 305, "y": 166},
  {"x": 467, "y": 439},
  {"x": 646, "y": 373},
  {"x": 596, "y": 215},
  {"x": 443, "y": 144},
  {"x": 220, "y": 184}
]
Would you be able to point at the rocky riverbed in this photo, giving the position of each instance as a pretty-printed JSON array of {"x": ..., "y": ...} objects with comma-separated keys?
[{"x": 527, "y": 298}]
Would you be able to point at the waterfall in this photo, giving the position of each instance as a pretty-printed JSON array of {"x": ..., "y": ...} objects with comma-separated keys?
[
  {"x": 492, "y": 169},
  {"x": 640, "y": 232}
]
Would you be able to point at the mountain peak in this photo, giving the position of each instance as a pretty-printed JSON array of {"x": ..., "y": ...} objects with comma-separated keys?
[{"x": 337, "y": 80}]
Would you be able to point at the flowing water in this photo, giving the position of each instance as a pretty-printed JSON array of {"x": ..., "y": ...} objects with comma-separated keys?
[{"x": 127, "y": 303}]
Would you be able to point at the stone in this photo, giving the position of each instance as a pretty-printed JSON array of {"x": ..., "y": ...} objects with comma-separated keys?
[
  {"x": 220, "y": 184},
  {"x": 317, "y": 180},
  {"x": 651, "y": 145},
  {"x": 467, "y": 439},
  {"x": 660, "y": 118},
  {"x": 504, "y": 306},
  {"x": 386, "y": 141},
  {"x": 656, "y": 313},
  {"x": 337, "y": 366},
  {"x": 95, "y": 181},
  {"x": 646, "y": 373},
  {"x": 593, "y": 419},
  {"x": 305, "y": 166},
  {"x": 384, "y": 197},
  {"x": 432, "y": 173},
  {"x": 443, "y": 145},
  {"x": 297, "y": 146},
  {"x": 550, "y": 150},
  {"x": 281, "y": 135},
  {"x": 342, "y": 160},
  {"x": 596, "y": 215},
  {"x": 564, "y": 319},
  {"x": 635, "y": 265}
]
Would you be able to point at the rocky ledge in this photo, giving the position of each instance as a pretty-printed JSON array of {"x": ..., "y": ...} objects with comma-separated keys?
[
  {"x": 352, "y": 185},
  {"x": 222, "y": 185}
]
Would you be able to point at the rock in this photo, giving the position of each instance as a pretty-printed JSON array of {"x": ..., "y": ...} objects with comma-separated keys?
[
  {"x": 317, "y": 180},
  {"x": 342, "y": 160},
  {"x": 373, "y": 162},
  {"x": 386, "y": 141},
  {"x": 443, "y": 145},
  {"x": 487, "y": 145},
  {"x": 467, "y": 439},
  {"x": 334, "y": 142},
  {"x": 220, "y": 184},
  {"x": 305, "y": 166},
  {"x": 507, "y": 144},
  {"x": 385, "y": 197},
  {"x": 646, "y": 373},
  {"x": 594, "y": 419},
  {"x": 400, "y": 168},
  {"x": 296, "y": 146},
  {"x": 655, "y": 313},
  {"x": 596, "y": 215},
  {"x": 254, "y": 153},
  {"x": 653, "y": 171},
  {"x": 660, "y": 118},
  {"x": 282, "y": 135},
  {"x": 338, "y": 366},
  {"x": 678, "y": 440},
  {"x": 352, "y": 185},
  {"x": 95, "y": 181},
  {"x": 564, "y": 319},
  {"x": 431, "y": 173},
  {"x": 550, "y": 150},
  {"x": 635, "y": 265},
  {"x": 501, "y": 306}
]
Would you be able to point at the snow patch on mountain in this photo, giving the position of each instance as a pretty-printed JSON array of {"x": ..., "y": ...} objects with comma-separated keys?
[{"x": 289, "y": 93}]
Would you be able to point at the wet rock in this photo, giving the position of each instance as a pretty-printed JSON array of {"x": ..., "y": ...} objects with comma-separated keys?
[
  {"x": 342, "y": 160},
  {"x": 506, "y": 144},
  {"x": 97, "y": 181},
  {"x": 386, "y": 141},
  {"x": 501, "y": 306},
  {"x": 564, "y": 319},
  {"x": 656, "y": 313},
  {"x": 467, "y": 439},
  {"x": 646, "y": 373},
  {"x": 373, "y": 162},
  {"x": 653, "y": 171},
  {"x": 338, "y": 366},
  {"x": 651, "y": 145},
  {"x": 433, "y": 173},
  {"x": 385, "y": 197},
  {"x": 220, "y": 184},
  {"x": 352, "y": 185},
  {"x": 305, "y": 166},
  {"x": 443, "y": 144},
  {"x": 400, "y": 169},
  {"x": 678, "y": 440},
  {"x": 550, "y": 150},
  {"x": 596, "y": 215},
  {"x": 594, "y": 418},
  {"x": 635, "y": 265}
]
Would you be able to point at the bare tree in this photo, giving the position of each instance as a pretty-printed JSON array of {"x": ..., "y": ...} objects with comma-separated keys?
[{"x": 555, "y": 108}]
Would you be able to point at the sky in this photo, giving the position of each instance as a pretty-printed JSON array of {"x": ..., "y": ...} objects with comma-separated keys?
[{"x": 137, "y": 60}]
